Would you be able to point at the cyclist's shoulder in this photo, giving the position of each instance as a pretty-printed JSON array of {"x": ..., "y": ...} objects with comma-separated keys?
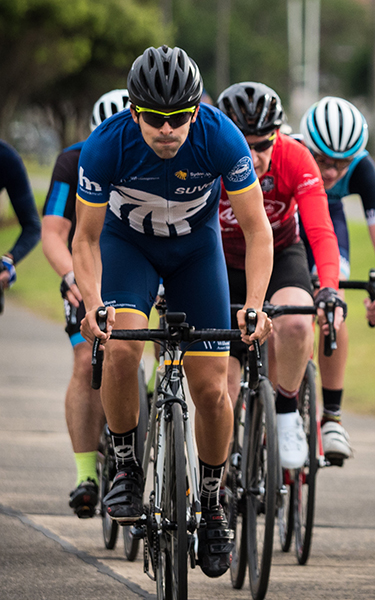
[
  {"x": 9, "y": 157},
  {"x": 293, "y": 161}
]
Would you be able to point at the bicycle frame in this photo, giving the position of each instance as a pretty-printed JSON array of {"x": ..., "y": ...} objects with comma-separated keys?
[{"x": 169, "y": 389}]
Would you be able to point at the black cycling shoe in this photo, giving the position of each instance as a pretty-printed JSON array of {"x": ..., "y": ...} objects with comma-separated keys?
[
  {"x": 124, "y": 500},
  {"x": 215, "y": 542},
  {"x": 84, "y": 499}
]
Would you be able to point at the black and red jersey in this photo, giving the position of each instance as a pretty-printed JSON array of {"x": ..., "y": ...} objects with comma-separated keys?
[{"x": 292, "y": 182}]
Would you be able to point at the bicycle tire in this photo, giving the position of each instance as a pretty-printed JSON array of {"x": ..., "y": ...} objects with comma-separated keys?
[
  {"x": 106, "y": 469},
  {"x": 260, "y": 486},
  {"x": 235, "y": 503},
  {"x": 304, "y": 498},
  {"x": 171, "y": 567},
  {"x": 285, "y": 514},
  {"x": 131, "y": 544}
]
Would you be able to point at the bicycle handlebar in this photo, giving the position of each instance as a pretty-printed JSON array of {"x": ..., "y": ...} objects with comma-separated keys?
[{"x": 177, "y": 331}]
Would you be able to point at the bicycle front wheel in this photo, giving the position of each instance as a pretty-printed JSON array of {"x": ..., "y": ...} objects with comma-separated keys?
[
  {"x": 260, "y": 486},
  {"x": 171, "y": 570},
  {"x": 304, "y": 496},
  {"x": 235, "y": 503},
  {"x": 106, "y": 471}
]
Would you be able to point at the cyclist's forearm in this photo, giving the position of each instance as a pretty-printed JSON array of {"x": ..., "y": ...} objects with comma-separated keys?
[
  {"x": 371, "y": 229},
  {"x": 57, "y": 253},
  {"x": 87, "y": 266},
  {"x": 258, "y": 266}
]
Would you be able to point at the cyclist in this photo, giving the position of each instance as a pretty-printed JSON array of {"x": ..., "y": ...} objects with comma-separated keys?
[
  {"x": 158, "y": 166},
  {"x": 289, "y": 179},
  {"x": 83, "y": 409},
  {"x": 336, "y": 133},
  {"x": 14, "y": 179}
]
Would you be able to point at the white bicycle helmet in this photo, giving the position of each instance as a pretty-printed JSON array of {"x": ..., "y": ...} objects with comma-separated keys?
[
  {"x": 109, "y": 104},
  {"x": 334, "y": 127}
]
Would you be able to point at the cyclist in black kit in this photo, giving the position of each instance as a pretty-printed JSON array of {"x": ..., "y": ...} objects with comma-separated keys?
[
  {"x": 84, "y": 413},
  {"x": 14, "y": 179}
]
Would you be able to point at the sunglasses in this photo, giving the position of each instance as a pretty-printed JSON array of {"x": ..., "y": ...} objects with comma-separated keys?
[
  {"x": 339, "y": 165},
  {"x": 175, "y": 119},
  {"x": 262, "y": 146}
]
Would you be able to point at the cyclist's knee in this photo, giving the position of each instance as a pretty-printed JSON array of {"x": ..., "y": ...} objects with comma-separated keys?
[
  {"x": 295, "y": 329},
  {"x": 122, "y": 358}
]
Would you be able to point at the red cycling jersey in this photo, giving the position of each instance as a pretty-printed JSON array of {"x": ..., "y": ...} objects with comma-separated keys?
[{"x": 293, "y": 182}]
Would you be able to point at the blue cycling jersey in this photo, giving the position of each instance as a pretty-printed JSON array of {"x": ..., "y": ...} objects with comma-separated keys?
[
  {"x": 13, "y": 178},
  {"x": 162, "y": 219},
  {"x": 341, "y": 187},
  {"x": 160, "y": 197}
]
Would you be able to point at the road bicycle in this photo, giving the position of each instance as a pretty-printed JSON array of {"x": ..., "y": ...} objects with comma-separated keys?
[
  {"x": 172, "y": 511},
  {"x": 255, "y": 488},
  {"x": 106, "y": 468},
  {"x": 296, "y": 512}
]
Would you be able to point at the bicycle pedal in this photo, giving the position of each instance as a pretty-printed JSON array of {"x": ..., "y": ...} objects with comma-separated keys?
[{"x": 137, "y": 531}]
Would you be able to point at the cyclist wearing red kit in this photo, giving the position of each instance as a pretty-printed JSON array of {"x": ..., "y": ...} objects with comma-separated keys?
[{"x": 290, "y": 180}]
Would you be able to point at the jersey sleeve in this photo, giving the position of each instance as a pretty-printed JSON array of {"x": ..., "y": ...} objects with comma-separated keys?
[
  {"x": 13, "y": 177},
  {"x": 232, "y": 157},
  {"x": 362, "y": 182},
  {"x": 96, "y": 168},
  {"x": 61, "y": 196},
  {"x": 313, "y": 208}
]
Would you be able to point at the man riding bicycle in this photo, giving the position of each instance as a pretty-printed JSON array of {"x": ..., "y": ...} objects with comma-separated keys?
[
  {"x": 83, "y": 408},
  {"x": 336, "y": 133},
  {"x": 148, "y": 193},
  {"x": 290, "y": 180},
  {"x": 14, "y": 179}
]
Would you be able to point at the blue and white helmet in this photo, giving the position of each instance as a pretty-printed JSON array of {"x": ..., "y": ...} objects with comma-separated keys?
[
  {"x": 334, "y": 127},
  {"x": 109, "y": 104}
]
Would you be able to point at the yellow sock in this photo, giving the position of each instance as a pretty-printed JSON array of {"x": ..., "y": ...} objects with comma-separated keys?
[{"x": 86, "y": 466}]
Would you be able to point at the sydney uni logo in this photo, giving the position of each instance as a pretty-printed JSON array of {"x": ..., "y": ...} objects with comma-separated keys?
[
  {"x": 182, "y": 174},
  {"x": 88, "y": 185}
]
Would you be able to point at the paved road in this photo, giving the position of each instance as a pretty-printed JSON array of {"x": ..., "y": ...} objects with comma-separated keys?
[{"x": 47, "y": 553}]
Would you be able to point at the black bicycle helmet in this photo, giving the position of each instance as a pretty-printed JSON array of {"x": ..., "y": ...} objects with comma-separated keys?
[
  {"x": 254, "y": 107},
  {"x": 165, "y": 79}
]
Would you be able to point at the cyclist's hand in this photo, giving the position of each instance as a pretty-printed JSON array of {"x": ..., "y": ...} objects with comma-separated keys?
[
  {"x": 263, "y": 328},
  {"x": 69, "y": 289},
  {"x": 322, "y": 297},
  {"x": 7, "y": 272},
  {"x": 370, "y": 310},
  {"x": 90, "y": 329}
]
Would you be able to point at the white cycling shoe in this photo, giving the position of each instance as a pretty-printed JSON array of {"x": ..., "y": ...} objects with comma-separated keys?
[
  {"x": 293, "y": 448},
  {"x": 336, "y": 444}
]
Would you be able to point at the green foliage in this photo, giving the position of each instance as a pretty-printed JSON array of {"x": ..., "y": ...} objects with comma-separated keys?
[{"x": 63, "y": 54}]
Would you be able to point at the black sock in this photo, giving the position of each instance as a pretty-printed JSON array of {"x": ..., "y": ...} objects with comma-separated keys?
[
  {"x": 286, "y": 402},
  {"x": 124, "y": 445},
  {"x": 331, "y": 405},
  {"x": 210, "y": 484}
]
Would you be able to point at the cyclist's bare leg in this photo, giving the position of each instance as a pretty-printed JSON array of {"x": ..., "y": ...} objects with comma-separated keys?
[
  {"x": 120, "y": 379},
  {"x": 207, "y": 379},
  {"x": 83, "y": 409},
  {"x": 293, "y": 338},
  {"x": 234, "y": 379}
]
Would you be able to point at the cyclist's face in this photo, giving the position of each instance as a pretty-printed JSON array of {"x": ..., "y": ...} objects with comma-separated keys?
[
  {"x": 331, "y": 169},
  {"x": 261, "y": 158},
  {"x": 164, "y": 141}
]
